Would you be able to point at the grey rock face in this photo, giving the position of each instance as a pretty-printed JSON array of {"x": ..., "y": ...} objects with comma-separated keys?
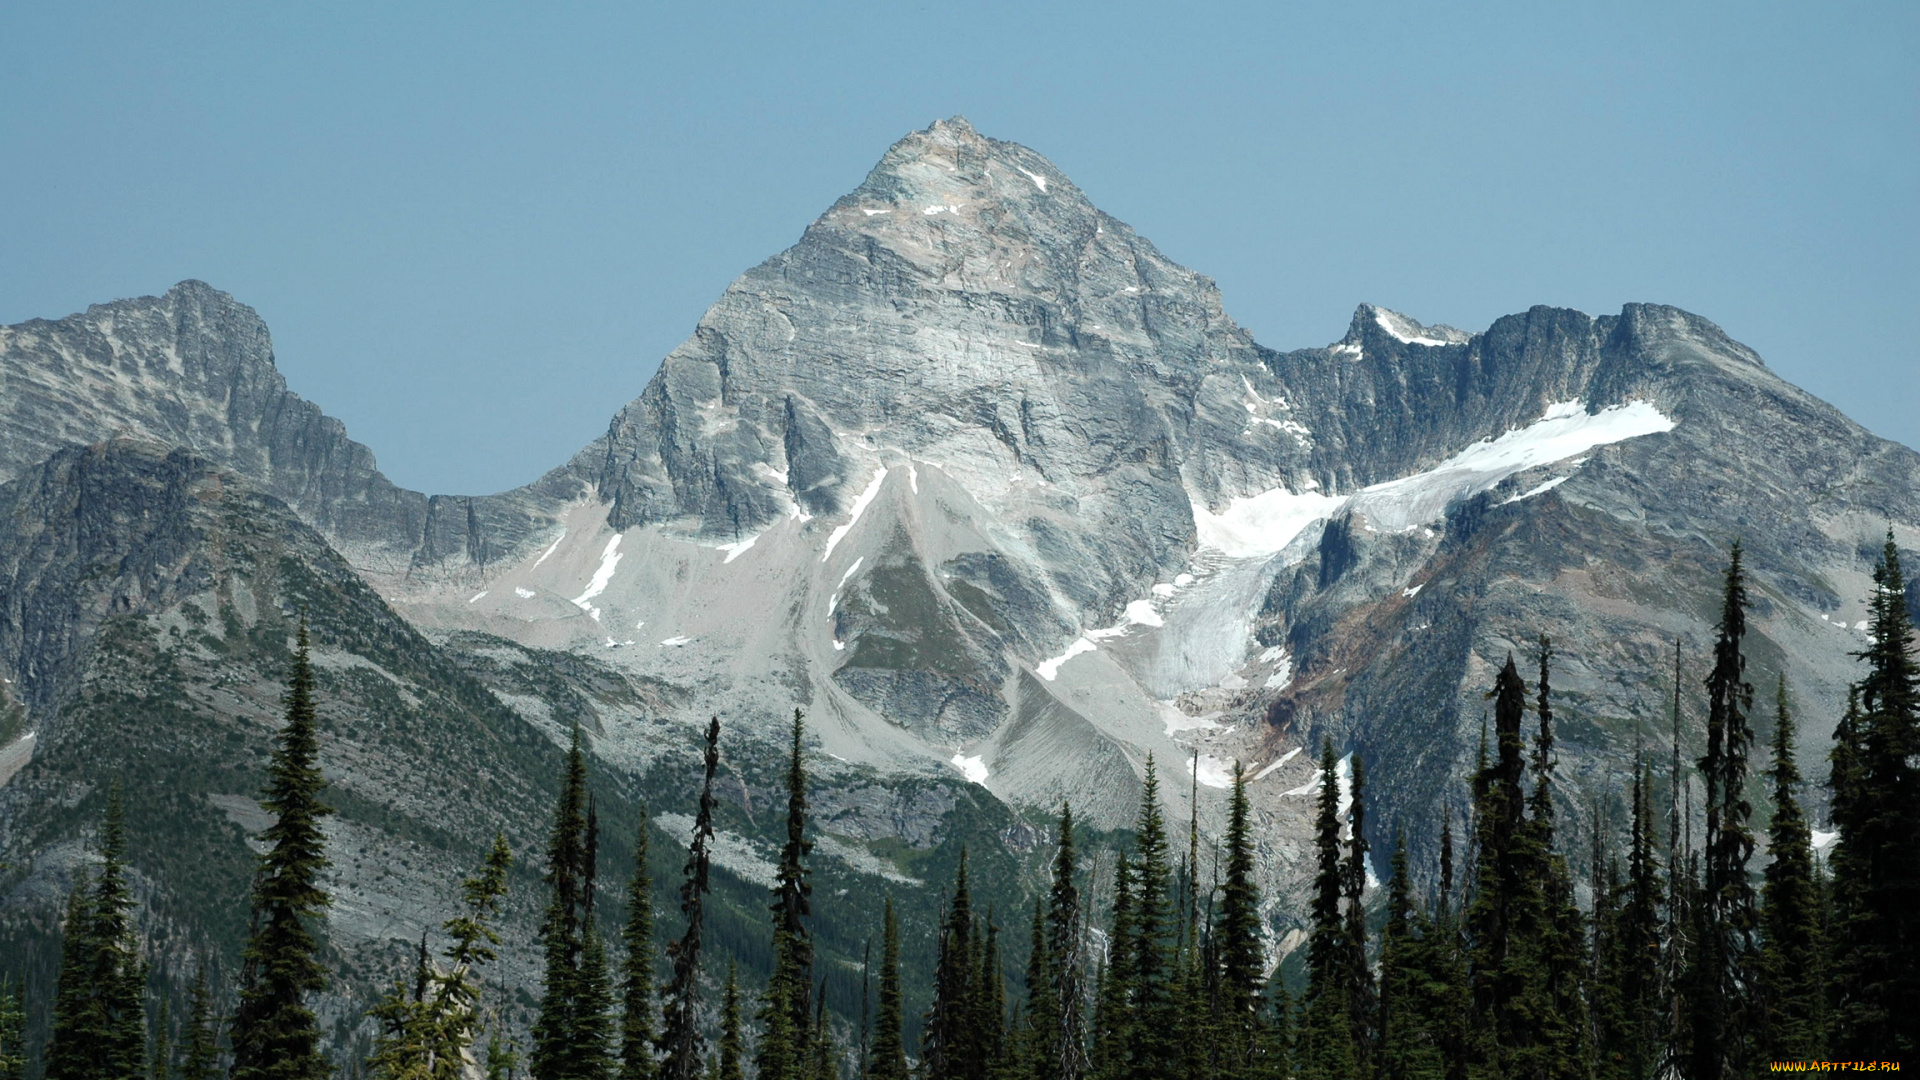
[{"x": 194, "y": 368}]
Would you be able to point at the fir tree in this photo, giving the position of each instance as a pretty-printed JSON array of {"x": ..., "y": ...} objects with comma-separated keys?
[
  {"x": 1113, "y": 1016},
  {"x": 733, "y": 1050},
  {"x": 13, "y": 1031},
  {"x": 990, "y": 999},
  {"x": 202, "y": 1058},
  {"x": 1039, "y": 1020},
  {"x": 1154, "y": 1049},
  {"x": 950, "y": 1041},
  {"x": 1634, "y": 1037},
  {"x": 1242, "y": 956},
  {"x": 1409, "y": 1049},
  {"x": 1325, "y": 1042},
  {"x": 888, "y": 1060},
  {"x": 275, "y": 1036},
  {"x": 569, "y": 1034},
  {"x": 1719, "y": 1001},
  {"x": 1877, "y": 809},
  {"x": 1561, "y": 962},
  {"x": 680, "y": 1040},
  {"x": 636, "y": 968},
  {"x": 1506, "y": 916},
  {"x": 99, "y": 1027},
  {"x": 1362, "y": 997},
  {"x": 786, "y": 1012},
  {"x": 1068, "y": 1039},
  {"x": 1791, "y": 967},
  {"x": 1450, "y": 997}
]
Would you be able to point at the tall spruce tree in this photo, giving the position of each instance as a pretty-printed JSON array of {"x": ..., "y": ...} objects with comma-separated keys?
[
  {"x": 636, "y": 967},
  {"x": 201, "y": 1061},
  {"x": 1633, "y": 1040},
  {"x": 1451, "y": 995},
  {"x": 1719, "y": 1001},
  {"x": 888, "y": 1061},
  {"x": 1113, "y": 1015},
  {"x": 733, "y": 1048},
  {"x": 275, "y": 1036},
  {"x": 1067, "y": 1040},
  {"x": 1877, "y": 809},
  {"x": 951, "y": 1040},
  {"x": 1362, "y": 996},
  {"x": 1560, "y": 960},
  {"x": 1792, "y": 961},
  {"x": 1505, "y": 918},
  {"x": 680, "y": 1039},
  {"x": 13, "y": 1030},
  {"x": 1409, "y": 1047},
  {"x": 1154, "y": 1050},
  {"x": 564, "y": 1032},
  {"x": 1241, "y": 952},
  {"x": 100, "y": 1027},
  {"x": 1034, "y": 1025},
  {"x": 786, "y": 1012},
  {"x": 1325, "y": 1041}
]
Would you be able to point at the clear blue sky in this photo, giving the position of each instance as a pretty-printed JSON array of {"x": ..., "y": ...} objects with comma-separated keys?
[{"x": 474, "y": 229}]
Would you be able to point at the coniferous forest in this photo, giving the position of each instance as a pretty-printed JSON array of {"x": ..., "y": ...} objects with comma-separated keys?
[{"x": 1705, "y": 948}]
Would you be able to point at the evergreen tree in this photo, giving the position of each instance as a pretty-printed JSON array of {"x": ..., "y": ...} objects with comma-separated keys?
[
  {"x": 1877, "y": 809},
  {"x": 1242, "y": 955},
  {"x": 1113, "y": 1016},
  {"x": 569, "y": 1034},
  {"x": 1068, "y": 1038},
  {"x": 1362, "y": 997},
  {"x": 1791, "y": 958},
  {"x": 594, "y": 1052},
  {"x": 680, "y": 1040},
  {"x": 787, "y": 1011},
  {"x": 1039, "y": 1021},
  {"x": 1325, "y": 1050},
  {"x": 636, "y": 968},
  {"x": 1409, "y": 1048},
  {"x": 275, "y": 1036},
  {"x": 99, "y": 1027},
  {"x": 202, "y": 1058},
  {"x": 951, "y": 1041},
  {"x": 990, "y": 999},
  {"x": 733, "y": 1049},
  {"x": 1720, "y": 990},
  {"x": 13, "y": 1031},
  {"x": 1505, "y": 918},
  {"x": 889, "y": 1058},
  {"x": 1633, "y": 1038},
  {"x": 1560, "y": 962},
  {"x": 1450, "y": 997},
  {"x": 1153, "y": 1048}
]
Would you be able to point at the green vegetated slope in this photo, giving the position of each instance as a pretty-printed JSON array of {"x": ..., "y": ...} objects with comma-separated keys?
[{"x": 148, "y": 602}]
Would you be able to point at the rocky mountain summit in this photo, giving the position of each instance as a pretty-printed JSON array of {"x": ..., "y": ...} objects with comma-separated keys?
[{"x": 1007, "y": 502}]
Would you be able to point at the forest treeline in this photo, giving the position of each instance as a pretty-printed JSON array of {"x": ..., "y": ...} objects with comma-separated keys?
[{"x": 1689, "y": 959}]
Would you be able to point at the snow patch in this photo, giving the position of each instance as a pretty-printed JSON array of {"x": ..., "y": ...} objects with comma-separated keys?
[
  {"x": 734, "y": 549},
  {"x": 1538, "y": 489},
  {"x": 524, "y": 594},
  {"x": 1284, "y": 758},
  {"x": 1141, "y": 611},
  {"x": 1412, "y": 590},
  {"x": 1406, "y": 330},
  {"x": 859, "y": 506},
  {"x": 870, "y": 211},
  {"x": 1050, "y": 668},
  {"x": 1282, "y": 676},
  {"x": 974, "y": 769},
  {"x": 555, "y": 546},
  {"x": 1262, "y": 524},
  {"x": 677, "y": 640},
  {"x": 609, "y": 561},
  {"x": 913, "y": 478},
  {"x": 478, "y": 595},
  {"x": 851, "y": 570},
  {"x": 1038, "y": 180},
  {"x": 1823, "y": 840},
  {"x": 1210, "y": 771},
  {"x": 1163, "y": 590}
]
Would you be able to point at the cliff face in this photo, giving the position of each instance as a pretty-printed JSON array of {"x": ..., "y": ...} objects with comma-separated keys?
[{"x": 194, "y": 368}]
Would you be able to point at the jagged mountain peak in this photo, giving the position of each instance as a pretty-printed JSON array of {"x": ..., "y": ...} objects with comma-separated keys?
[{"x": 1371, "y": 321}]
